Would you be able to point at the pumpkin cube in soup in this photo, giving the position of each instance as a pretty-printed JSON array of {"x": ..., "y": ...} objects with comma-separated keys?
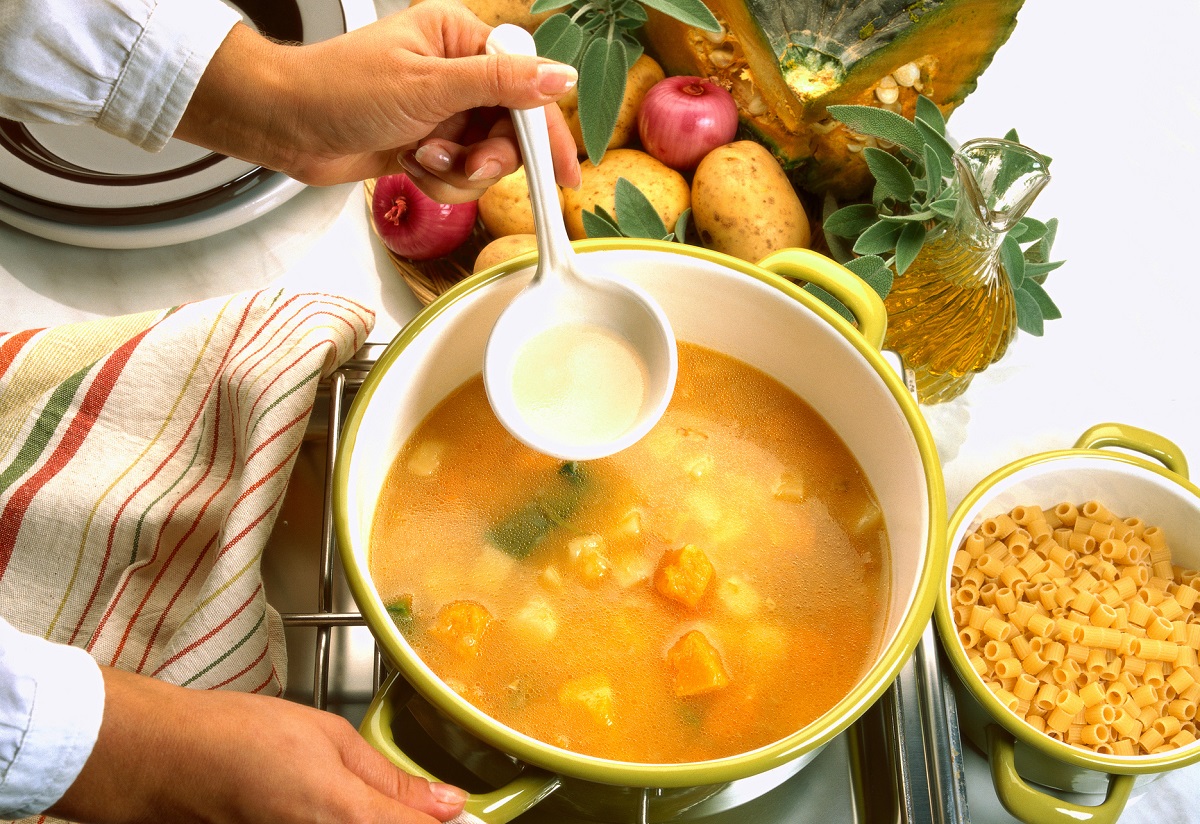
[
  {"x": 536, "y": 622},
  {"x": 696, "y": 665},
  {"x": 461, "y": 626},
  {"x": 683, "y": 575},
  {"x": 593, "y": 695}
]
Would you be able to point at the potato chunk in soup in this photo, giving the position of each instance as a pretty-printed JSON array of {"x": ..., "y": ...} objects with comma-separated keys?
[{"x": 707, "y": 591}]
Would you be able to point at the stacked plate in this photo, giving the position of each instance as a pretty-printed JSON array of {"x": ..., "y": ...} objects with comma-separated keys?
[{"x": 78, "y": 185}]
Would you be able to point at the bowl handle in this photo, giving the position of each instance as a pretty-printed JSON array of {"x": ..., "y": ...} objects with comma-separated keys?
[
  {"x": 862, "y": 301},
  {"x": 1029, "y": 804},
  {"x": 1139, "y": 440},
  {"x": 496, "y": 807}
]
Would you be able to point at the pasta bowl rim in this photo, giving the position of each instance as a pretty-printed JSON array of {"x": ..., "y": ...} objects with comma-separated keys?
[
  {"x": 983, "y": 492},
  {"x": 870, "y": 687}
]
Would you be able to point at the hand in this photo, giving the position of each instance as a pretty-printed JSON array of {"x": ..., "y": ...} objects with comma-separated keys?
[
  {"x": 411, "y": 92},
  {"x": 167, "y": 753}
]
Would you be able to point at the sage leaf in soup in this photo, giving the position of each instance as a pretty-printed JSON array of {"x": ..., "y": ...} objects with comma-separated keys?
[{"x": 522, "y": 532}]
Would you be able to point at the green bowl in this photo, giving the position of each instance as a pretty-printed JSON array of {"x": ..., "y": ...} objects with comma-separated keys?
[
  {"x": 754, "y": 313},
  {"x": 1157, "y": 491}
]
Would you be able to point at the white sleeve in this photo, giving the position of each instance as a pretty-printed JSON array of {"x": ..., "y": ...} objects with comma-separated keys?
[
  {"x": 51, "y": 703},
  {"x": 128, "y": 66}
]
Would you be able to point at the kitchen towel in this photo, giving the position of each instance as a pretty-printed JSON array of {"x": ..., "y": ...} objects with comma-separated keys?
[{"x": 142, "y": 462}]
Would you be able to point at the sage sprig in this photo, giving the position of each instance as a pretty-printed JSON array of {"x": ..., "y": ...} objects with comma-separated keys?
[
  {"x": 635, "y": 217},
  {"x": 914, "y": 197},
  {"x": 599, "y": 38}
]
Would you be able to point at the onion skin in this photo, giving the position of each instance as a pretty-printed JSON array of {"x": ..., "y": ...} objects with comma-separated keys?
[
  {"x": 415, "y": 226},
  {"x": 684, "y": 118}
]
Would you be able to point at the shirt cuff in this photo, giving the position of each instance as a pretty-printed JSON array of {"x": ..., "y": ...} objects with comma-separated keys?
[
  {"x": 164, "y": 67},
  {"x": 58, "y": 692}
]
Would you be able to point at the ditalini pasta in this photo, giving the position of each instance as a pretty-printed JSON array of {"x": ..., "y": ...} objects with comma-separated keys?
[{"x": 1079, "y": 622}]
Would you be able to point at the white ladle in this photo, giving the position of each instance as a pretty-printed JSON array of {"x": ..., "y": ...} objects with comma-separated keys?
[{"x": 569, "y": 299}]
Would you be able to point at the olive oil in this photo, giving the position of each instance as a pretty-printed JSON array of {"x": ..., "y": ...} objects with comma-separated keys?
[{"x": 951, "y": 314}]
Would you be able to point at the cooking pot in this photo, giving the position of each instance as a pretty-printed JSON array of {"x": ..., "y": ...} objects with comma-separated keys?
[
  {"x": 754, "y": 313},
  {"x": 1157, "y": 491}
]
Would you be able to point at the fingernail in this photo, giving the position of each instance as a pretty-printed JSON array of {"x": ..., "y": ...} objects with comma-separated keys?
[
  {"x": 447, "y": 794},
  {"x": 487, "y": 171},
  {"x": 411, "y": 165},
  {"x": 556, "y": 78},
  {"x": 433, "y": 158}
]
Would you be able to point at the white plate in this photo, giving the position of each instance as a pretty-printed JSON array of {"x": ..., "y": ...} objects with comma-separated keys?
[{"x": 78, "y": 185}]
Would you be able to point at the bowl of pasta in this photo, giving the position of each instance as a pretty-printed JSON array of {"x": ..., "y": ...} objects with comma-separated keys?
[{"x": 1071, "y": 614}]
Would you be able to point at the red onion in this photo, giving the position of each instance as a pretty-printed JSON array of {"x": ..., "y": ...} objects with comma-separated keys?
[
  {"x": 684, "y": 118},
  {"x": 414, "y": 225}
]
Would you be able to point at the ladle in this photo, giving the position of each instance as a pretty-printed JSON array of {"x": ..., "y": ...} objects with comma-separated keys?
[{"x": 582, "y": 363}]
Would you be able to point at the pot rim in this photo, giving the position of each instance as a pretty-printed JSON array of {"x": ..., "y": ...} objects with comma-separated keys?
[
  {"x": 986, "y": 489},
  {"x": 623, "y": 773}
]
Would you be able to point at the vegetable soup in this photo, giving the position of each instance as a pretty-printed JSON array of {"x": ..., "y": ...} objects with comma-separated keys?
[{"x": 709, "y": 590}]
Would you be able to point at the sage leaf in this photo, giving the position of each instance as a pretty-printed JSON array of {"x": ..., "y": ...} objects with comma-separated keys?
[
  {"x": 881, "y": 123},
  {"x": 1012, "y": 135},
  {"x": 839, "y": 250},
  {"x": 636, "y": 215},
  {"x": 928, "y": 111},
  {"x": 1013, "y": 261},
  {"x": 1040, "y": 252},
  {"x": 559, "y": 38},
  {"x": 890, "y": 173},
  {"x": 945, "y": 207},
  {"x": 933, "y": 172},
  {"x": 852, "y": 220},
  {"x": 874, "y": 272},
  {"x": 602, "y": 76},
  {"x": 540, "y": 6},
  {"x": 945, "y": 152},
  {"x": 829, "y": 300},
  {"x": 1047, "y": 307},
  {"x": 692, "y": 12},
  {"x": 908, "y": 246},
  {"x": 681, "y": 225},
  {"x": 879, "y": 238},
  {"x": 1038, "y": 271},
  {"x": 596, "y": 224},
  {"x": 1029, "y": 314},
  {"x": 1033, "y": 229}
]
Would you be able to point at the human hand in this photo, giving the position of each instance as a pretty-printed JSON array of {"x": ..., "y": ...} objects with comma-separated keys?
[
  {"x": 412, "y": 92},
  {"x": 167, "y": 753}
]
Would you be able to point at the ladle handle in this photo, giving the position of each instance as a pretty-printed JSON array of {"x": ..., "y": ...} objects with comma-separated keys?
[{"x": 533, "y": 135}]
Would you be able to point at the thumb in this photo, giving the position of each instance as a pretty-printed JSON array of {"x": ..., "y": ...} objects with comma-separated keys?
[{"x": 508, "y": 80}]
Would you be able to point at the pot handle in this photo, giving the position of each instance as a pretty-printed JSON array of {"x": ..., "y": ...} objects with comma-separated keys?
[
  {"x": 862, "y": 301},
  {"x": 496, "y": 807},
  {"x": 1148, "y": 443},
  {"x": 1029, "y": 804}
]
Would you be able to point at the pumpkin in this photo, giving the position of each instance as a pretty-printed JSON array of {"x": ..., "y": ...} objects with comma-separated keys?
[{"x": 787, "y": 61}]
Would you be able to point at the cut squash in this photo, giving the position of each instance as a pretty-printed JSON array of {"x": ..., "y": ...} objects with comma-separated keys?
[{"x": 787, "y": 61}]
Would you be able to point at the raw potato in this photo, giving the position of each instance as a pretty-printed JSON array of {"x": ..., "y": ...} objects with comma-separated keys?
[
  {"x": 743, "y": 204},
  {"x": 663, "y": 186},
  {"x": 505, "y": 208},
  {"x": 644, "y": 73},
  {"x": 502, "y": 249},
  {"x": 495, "y": 12}
]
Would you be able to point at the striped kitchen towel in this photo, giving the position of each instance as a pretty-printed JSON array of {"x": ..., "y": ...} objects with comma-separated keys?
[{"x": 142, "y": 462}]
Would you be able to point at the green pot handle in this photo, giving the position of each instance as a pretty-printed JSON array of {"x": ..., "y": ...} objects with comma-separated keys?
[
  {"x": 497, "y": 807},
  {"x": 1030, "y": 805},
  {"x": 862, "y": 301},
  {"x": 1148, "y": 443}
]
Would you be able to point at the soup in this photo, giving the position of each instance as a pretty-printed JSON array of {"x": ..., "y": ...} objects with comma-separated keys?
[{"x": 707, "y": 591}]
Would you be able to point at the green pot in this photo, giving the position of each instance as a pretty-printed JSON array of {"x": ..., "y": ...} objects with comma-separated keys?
[
  {"x": 1157, "y": 491},
  {"x": 754, "y": 313}
]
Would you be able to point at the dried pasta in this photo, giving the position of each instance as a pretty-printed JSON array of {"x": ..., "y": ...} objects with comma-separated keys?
[{"x": 1081, "y": 624}]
